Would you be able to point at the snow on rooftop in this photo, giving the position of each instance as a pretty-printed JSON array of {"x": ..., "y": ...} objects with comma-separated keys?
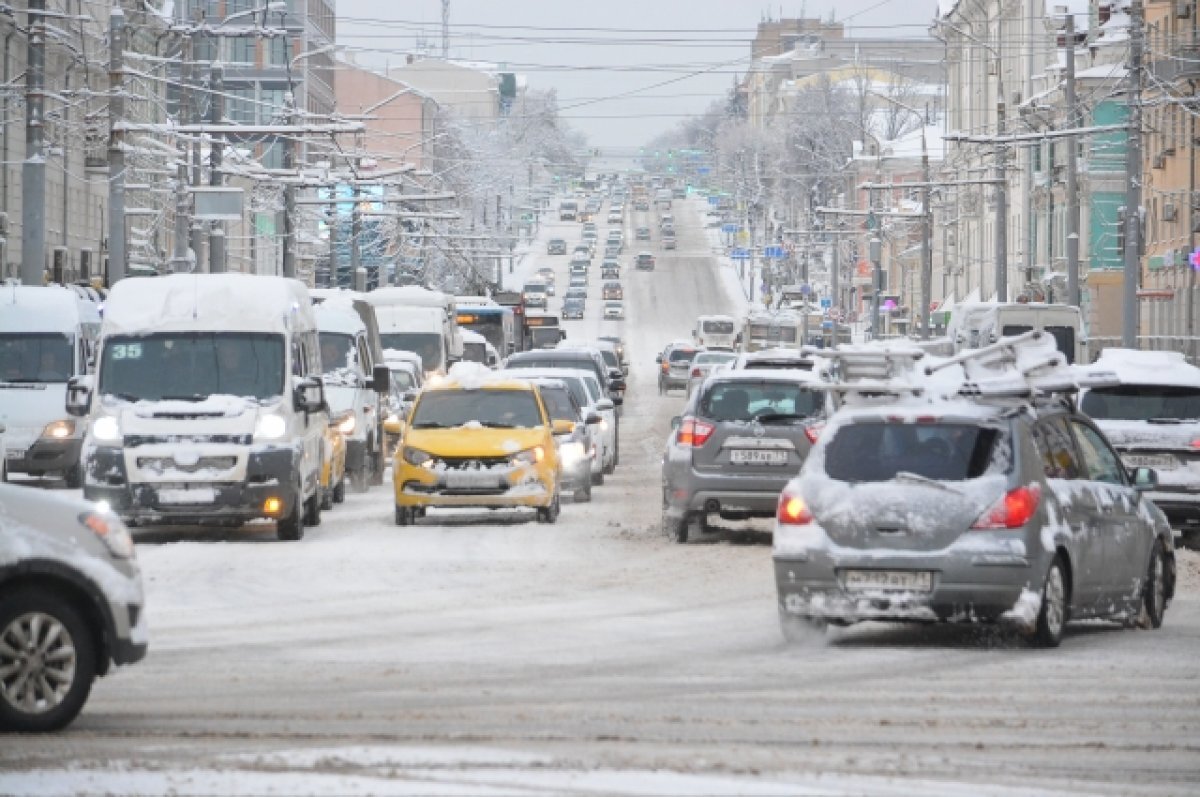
[
  {"x": 1148, "y": 367},
  {"x": 48, "y": 308}
]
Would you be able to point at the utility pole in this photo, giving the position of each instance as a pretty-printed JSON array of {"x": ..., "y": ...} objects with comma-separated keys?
[
  {"x": 1001, "y": 201},
  {"x": 116, "y": 144},
  {"x": 216, "y": 235},
  {"x": 355, "y": 234},
  {"x": 926, "y": 239},
  {"x": 876, "y": 253},
  {"x": 33, "y": 170},
  {"x": 180, "y": 262},
  {"x": 1073, "y": 297},
  {"x": 289, "y": 192},
  {"x": 445, "y": 28},
  {"x": 194, "y": 116},
  {"x": 1133, "y": 181}
]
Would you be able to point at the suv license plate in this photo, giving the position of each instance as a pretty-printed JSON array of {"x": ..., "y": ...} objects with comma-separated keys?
[
  {"x": 1156, "y": 461},
  {"x": 751, "y": 456},
  {"x": 899, "y": 580}
]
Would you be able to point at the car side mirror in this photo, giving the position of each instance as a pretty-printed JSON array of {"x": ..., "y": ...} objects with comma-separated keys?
[
  {"x": 605, "y": 405},
  {"x": 675, "y": 421},
  {"x": 559, "y": 427},
  {"x": 381, "y": 378},
  {"x": 309, "y": 395},
  {"x": 79, "y": 396},
  {"x": 615, "y": 373},
  {"x": 409, "y": 396},
  {"x": 658, "y": 359},
  {"x": 1144, "y": 479},
  {"x": 592, "y": 419}
]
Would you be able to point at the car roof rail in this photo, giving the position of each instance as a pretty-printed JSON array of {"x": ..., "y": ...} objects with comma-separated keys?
[{"x": 870, "y": 371}]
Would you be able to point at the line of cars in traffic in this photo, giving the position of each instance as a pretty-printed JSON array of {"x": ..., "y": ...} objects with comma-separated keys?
[{"x": 903, "y": 486}]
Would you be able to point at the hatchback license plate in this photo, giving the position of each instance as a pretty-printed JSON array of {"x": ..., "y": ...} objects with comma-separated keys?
[
  {"x": 471, "y": 480},
  {"x": 1156, "y": 461},
  {"x": 751, "y": 456},
  {"x": 900, "y": 580}
]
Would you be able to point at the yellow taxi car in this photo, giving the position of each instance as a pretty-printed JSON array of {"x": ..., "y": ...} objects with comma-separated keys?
[
  {"x": 333, "y": 468},
  {"x": 478, "y": 442}
]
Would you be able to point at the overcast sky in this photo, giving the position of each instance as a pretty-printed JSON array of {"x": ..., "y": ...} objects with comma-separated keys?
[{"x": 698, "y": 45}]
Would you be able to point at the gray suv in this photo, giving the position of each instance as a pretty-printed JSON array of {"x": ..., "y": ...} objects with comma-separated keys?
[
  {"x": 740, "y": 439},
  {"x": 1010, "y": 511},
  {"x": 71, "y": 605}
]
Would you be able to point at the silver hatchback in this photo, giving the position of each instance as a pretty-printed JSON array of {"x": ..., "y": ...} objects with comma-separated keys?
[
  {"x": 740, "y": 439},
  {"x": 963, "y": 512}
]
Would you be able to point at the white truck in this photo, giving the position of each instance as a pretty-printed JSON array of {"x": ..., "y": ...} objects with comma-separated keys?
[
  {"x": 976, "y": 324},
  {"x": 207, "y": 404},
  {"x": 421, "y": 321},
  {"x": 771, "y": 329},
  {"x": 48, "y": 334}
]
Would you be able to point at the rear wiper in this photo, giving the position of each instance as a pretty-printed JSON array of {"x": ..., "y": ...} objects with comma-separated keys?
[
  {"x": 430, "y": 425},
  {"x": 21, "y": 380},
  {"x": 916, "y": 478},
  {"x": 1171, "y": 420},
  {"x": 771, "y": 417}
]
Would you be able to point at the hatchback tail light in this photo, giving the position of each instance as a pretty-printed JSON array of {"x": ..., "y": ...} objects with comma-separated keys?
[
  {"x": 793, "y": 509},
  {"x": 694, "y": 433},
  {"x": 1012, "y": 510},
  {"x": 697, "y": 372}
]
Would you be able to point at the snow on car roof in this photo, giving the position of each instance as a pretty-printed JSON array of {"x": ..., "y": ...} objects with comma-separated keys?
[
  {"x": 44, "y": 308},
  {"x": 466, "y": 375},
  {"x": 471, "y": 336},
  {"x": 1131, "y": 366},
  {"x": 409, "y": 295},
  {"x": 216, "y": 302},
  {"x": 333, "y": 316}
]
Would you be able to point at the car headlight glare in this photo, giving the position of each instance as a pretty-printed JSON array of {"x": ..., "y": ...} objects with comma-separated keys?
[
  {"x": 346, "y": 423},
  {"x": 59, "y": 430},
  {"x": 106, "y": 429},
  {"x": 270, "y": 427},
  {"x": 417, "y": 457},
  {"x": 572, "y": 452},
  {"x": 530, "y": 456},
  {"x": 111, "y": 531}
]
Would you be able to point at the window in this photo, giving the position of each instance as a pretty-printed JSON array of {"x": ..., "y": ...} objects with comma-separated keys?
[
  {"x": 278, "y": 51},
  {"x": 873, "y": 451},
  {"x": 243, "y": 49},
  {"x": 764, "y": 401},
  {"x": 1156, "y": 403},
  {"x": 1054, "y": 444},
  {"x": 490, "y": 408},
  {"x": 270, "y": 107},
  {"x": 1099, "y": 462},
  {"x": 239, "y": 105}
]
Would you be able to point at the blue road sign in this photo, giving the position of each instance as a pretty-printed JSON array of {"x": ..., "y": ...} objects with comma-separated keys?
[
  {"x": 714, "y": 200},
  {"x": 826, "y": 325},
  {"x": 703, "y": 170},
  {"x": 776, "y": 252},
  {"x": 827, "y": 303},
  {"x": 729, "y": 228},
  {"x": 740, "y": 254}
]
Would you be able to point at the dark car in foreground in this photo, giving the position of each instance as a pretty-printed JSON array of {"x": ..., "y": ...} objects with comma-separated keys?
[{"x": 71, "y": 605}]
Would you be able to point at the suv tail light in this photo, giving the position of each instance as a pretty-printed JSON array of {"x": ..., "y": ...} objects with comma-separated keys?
[
  {"x": 694, "y": 433},
  {"x": 793, "y": 509},
  {"x": 813, "y": 432},
  {"x": 1011, "y": 510}
]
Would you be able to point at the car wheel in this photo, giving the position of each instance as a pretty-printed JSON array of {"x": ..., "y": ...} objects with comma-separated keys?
[
  {"x": 1154, "y": 589},
  {"x": 291, "y": 528},
  {"x": 47, "y": 662},
  {"x": 598, "y": 478},
  {"x": 74, "y": 477},
  {"x": 1052, "y": 616},
  {"x": 312, "y": 510},
  {"x": 1190, "y": 539},
  {"x": 550, "y": 514},
  {"x": 798, "y": 630},
  {"x": 676, "y": 529},
  {"x": 326, "y": 498},
  {"x": 404, "y": 516},
  {"x": 583, "y": 495},
  {"x": 339, "y": 490}
]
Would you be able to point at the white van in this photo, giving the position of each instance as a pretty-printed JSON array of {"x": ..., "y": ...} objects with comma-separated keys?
[
  {"x": 477, "y": 349},
  {"x": 353, "y": 379},
  {"x": 47, "y": 335},
  {"x": 978, "y": 324},
  {"x": 716, "y": 332},
  {"x": 421, "y": 321},
  {"x": 207, "y": 404}
]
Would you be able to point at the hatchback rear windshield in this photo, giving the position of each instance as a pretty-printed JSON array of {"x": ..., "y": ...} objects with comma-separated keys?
[
  {"x": 875, "y": 451},
  {"x": 1164, "y": 403},
  {"x": 682, "y": 355},
  {"x": 765, "y": 401}
]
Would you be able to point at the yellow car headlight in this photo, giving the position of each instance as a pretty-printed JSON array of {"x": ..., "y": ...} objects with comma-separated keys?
[
  {"x": 59, "y": 430},
  {"x": 530, "y": 456},
  {"x": 417, "y": 457}
]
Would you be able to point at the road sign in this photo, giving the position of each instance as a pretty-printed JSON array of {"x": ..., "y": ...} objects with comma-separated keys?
[
  {"x": 728, "y": 227},
  {"x": 776, "y": 252},
  {"x": 714, "y": 200},
  {"x": 703, "y": 170},
  {"x": 740, "y": 254},
  {"x": 827, "y": 303}
]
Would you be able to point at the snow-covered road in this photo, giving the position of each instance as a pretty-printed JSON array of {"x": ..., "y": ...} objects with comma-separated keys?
[{"x": 488, "y": 655}]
